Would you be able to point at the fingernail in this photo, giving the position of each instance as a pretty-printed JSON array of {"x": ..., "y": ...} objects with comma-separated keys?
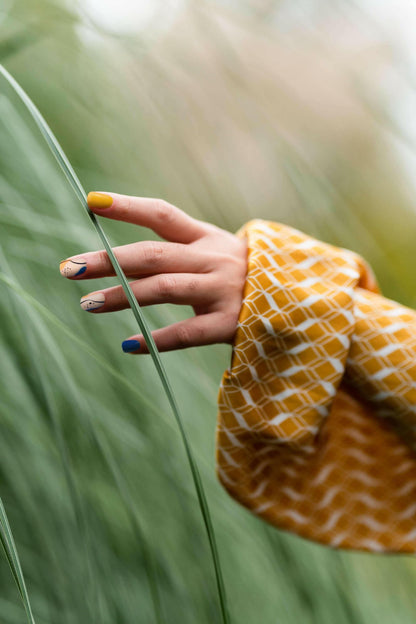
[
  {"x": 92, "y": 301},
  {"x": 73, "y": 268},
  {"x": 129, "y": 346},
  {"x": 99, "y": 200}
]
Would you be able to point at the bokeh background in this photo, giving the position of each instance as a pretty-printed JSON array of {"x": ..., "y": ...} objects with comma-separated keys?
[{"x": 301, "y": 111}]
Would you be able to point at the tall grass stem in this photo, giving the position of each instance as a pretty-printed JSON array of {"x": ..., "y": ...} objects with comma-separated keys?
[{"x": 74, "y": 181}]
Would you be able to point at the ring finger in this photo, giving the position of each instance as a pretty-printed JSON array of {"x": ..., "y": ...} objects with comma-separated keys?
[{"x": 178, "y": 288}]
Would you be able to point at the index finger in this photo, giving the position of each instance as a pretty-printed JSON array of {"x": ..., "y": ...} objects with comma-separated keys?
[{"x": 166, "y": 220}]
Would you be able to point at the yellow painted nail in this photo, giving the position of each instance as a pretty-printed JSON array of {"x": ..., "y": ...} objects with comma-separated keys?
[{"x": 99, "y": 200}]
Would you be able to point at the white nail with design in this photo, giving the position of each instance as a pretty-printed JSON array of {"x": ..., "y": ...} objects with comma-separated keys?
[
  {"x": 73, "y": 268},
  {"x": 92, "y": 301}
]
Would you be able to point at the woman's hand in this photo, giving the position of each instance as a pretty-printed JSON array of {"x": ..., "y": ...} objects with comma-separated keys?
[{"x": 201, "y": 265}]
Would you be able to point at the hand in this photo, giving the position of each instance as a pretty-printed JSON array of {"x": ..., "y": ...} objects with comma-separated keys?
[{"x": 201, "y": 266}]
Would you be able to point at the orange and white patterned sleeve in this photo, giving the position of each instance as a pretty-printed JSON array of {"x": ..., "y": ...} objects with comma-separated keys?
[{"x": 317, "y": 411}]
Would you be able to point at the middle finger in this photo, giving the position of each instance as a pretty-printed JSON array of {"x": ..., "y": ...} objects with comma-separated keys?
[{"x": 136, "y": 260}]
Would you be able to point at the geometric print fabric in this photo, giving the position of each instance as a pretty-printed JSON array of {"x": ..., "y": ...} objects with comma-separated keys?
[{"x": 318, "y": 408}]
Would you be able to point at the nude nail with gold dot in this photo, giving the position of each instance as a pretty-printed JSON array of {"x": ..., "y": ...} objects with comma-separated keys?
[
  {"x": 92, "y": 301},
  {"x": 73, "y": 267}
]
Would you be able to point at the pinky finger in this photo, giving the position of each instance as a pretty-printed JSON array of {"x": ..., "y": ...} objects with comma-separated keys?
[{"x": 197, "y": 331}]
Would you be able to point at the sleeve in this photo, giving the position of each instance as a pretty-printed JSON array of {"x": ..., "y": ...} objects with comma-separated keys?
[{"x": 318, "y": 408}]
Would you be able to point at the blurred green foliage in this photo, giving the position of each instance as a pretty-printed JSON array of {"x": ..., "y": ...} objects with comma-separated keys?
[{"x": 230, "y": 113}]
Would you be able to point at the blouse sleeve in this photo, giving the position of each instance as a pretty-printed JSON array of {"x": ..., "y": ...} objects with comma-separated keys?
[{"x": 318, "y": 408}]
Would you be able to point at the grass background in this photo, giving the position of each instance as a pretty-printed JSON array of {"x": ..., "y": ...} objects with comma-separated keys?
[{"x": 296, "y": 112}]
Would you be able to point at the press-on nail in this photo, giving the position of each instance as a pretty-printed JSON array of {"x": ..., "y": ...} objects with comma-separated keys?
[
  {"x": 92, "y": 301},
  {"x": 73, "y": 268}
]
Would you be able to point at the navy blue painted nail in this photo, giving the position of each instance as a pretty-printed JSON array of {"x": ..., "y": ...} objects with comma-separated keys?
[{"x": 129, "y": 346}]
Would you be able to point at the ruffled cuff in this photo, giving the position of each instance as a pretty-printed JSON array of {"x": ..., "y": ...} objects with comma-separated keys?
[
  {"x": 293, "y": 336},
  {"x": 295, "y": 443}
]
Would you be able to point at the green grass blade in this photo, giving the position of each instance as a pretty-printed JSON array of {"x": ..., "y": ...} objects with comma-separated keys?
[
  {"x": 106, "y": 453},
  {"x": 123, "y": 489},
  {"x": 80, "y": 192},
  {"x": 9, "y": 547}
]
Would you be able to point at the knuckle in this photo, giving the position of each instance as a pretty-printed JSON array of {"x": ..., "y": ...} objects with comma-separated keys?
[
  {"x": 152, "y": 252},
  {"x": 164, "y": 211},
  {"x": 166, "y": 286},
  {"x": 125, "y": 205},
  {"x": 183, "y": 336},
  {"x": 130, "y": 205},
  {"x": 102, "y": 260},
  {"x": 193, "y": 285}
]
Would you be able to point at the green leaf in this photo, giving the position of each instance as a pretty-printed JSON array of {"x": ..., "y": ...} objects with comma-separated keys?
[{"x": 9, "y": 547}]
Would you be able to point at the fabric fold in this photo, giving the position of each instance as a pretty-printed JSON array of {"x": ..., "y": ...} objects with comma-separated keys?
[{"x": 313, "y": 433}]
